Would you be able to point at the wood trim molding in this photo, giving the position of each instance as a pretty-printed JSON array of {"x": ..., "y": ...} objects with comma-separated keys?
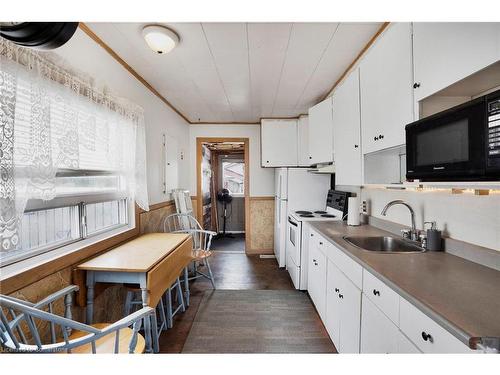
[
  {"x": 157, "y": 206},
  {"x": 15, "y": 280},
  {"x": 357, "y": 58},
  {"x": 131, "y": 70},
  {"x": 266, "y": 198}
]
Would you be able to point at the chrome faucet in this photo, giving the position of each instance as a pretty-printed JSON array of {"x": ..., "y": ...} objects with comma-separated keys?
[{"x": 413, "y": 232}]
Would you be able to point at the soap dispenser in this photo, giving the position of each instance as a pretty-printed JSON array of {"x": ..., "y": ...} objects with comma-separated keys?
[{"x": 434, "y": 241}]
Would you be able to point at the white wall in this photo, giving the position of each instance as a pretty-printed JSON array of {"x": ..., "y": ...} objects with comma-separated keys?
[
  {"x": 261, "y": 179},
  {"x": 466, "y": 217},
  {"x": 83, "y": 54}
]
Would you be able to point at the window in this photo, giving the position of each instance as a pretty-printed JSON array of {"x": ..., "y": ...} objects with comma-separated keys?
[
  {"x": 233, "y": 177},
  {"x": 46, "y": 229},
  {"x": 73, "y": 158}
]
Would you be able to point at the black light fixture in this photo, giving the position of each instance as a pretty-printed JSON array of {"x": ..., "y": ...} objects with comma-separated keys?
[{"x": 39, "y": 35}]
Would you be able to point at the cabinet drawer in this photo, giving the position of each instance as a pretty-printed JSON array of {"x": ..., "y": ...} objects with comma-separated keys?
[
  {"x": 426, "y": 334},
  {"x": 381, "y": 295},
  {"x": 348, "y": 266}
]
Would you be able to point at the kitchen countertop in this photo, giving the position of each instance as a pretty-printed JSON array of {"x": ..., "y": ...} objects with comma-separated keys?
[{"x": 462, "y": 296}]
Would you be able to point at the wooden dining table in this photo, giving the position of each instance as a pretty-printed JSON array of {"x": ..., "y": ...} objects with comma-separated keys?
[{"x": 153, "y": 261}]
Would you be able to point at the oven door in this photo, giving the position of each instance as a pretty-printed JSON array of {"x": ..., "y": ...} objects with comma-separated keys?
[
  {"x": 293, "y": 233},
  {"x": 448, "y": 146}
]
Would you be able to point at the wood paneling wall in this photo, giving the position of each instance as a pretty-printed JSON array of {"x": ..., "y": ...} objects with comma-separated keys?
[{"x": 261, "y": 225}]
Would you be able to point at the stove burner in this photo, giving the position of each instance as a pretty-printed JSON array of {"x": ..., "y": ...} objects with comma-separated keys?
[
  {"x": 320, "y": 212},
  {"x": 303, "y": 213},
  {"x": 327, "y": 215},
  {"x": 306, "y": 215}
]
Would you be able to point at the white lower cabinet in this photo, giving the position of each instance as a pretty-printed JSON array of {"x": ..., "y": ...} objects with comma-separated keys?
[
  {"x": 343, "y": 310},
  {"x": 316, "y": 279},
  {"x": 363, "y": 314},
  {"x": 378, "y": 333},
  {"x": 427, "y": 335}
]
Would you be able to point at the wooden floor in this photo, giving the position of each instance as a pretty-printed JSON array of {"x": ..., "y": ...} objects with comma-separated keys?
[{"x": 232, "y": 272}]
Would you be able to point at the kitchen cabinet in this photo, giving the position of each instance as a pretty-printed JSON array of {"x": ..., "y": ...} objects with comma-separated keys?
[
  {"x": 279, "y": 143},
  {"x": 347, "y": 131},
  {"x": 445, "y": 53},
  {"x": 386, "y": 89},
  {"x": 343, "y": 310},
  {"x": 378, "y": 333},
  {"x": 303, "y": 141},
  {"x": 321, "y": 132},
  {"x": 364, "y": 314},
  {"x": 316, "y": 275}
]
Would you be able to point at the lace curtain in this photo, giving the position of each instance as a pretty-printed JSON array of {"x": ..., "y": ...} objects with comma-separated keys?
[{"x": 51, "y": 120}]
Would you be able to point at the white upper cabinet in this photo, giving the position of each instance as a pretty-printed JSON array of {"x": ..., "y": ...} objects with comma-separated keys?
[
  {"x": 347, "y": 131},
  {"x": 447, "y": 52},
  {"x": 279, "y": 143},
  {"x": 386, "y": 84},
  {"x": 321, "y": 132},
  {"x": 303, "y": 141}
]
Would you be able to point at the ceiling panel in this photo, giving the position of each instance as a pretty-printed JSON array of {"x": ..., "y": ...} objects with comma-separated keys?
[{"x": 238, "y": 72}]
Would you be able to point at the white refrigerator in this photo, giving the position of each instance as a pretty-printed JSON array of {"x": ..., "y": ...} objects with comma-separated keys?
[{"x": 295, "y": 189}]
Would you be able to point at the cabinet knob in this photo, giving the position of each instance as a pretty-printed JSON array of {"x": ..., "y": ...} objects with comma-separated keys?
[
  {"x": 375, "y": 138},
  {"x": 267, "y": 161},
  {"x": 310, "y": 157},
  {"x": 416, "y": 85},
  {"x": 356, "y": 146},
  {"x": 381, "y": 136},
  {"x": 341, "y": 296},
  {"x": 376, "y": 292},
  {"x": 426, "y": 336},
  {"x": 337, "y": 290},
  {"x": 321, "y": 243}
]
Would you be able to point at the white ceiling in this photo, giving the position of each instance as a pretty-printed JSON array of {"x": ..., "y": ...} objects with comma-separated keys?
[{"x": 240, "y": 72}]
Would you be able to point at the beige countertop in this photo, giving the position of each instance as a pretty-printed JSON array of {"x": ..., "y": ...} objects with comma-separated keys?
[{"x": 462, "y": 296}]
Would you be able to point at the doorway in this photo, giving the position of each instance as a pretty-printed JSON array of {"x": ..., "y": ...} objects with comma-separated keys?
[{"x": 222, "y": 191}]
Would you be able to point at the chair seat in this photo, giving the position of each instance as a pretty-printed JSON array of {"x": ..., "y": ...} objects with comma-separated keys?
[
  {"x": 106, "y": 344},
  {"x": 200, "y": 254}
]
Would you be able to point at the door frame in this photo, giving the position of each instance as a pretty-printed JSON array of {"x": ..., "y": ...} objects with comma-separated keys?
[{"x": 246, "y": 156}]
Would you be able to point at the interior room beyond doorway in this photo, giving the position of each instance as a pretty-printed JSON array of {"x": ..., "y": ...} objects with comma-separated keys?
[{"x": 223, "y": 189}]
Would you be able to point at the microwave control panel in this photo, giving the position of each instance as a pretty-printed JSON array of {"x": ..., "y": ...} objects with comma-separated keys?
[{"x": 494, "y": 129}]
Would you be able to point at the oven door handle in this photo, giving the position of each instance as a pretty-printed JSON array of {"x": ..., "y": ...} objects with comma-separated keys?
[{"x": 291, "y": 222}]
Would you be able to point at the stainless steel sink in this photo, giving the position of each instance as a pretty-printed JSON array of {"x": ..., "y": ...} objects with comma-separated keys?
[{"x": 384, "y": 244}]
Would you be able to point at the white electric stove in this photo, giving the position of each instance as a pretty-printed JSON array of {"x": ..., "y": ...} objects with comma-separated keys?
[{"x": 297, "y": 234}]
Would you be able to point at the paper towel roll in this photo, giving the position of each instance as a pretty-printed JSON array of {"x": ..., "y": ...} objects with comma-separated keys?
[{"x": 353, "y": 211}]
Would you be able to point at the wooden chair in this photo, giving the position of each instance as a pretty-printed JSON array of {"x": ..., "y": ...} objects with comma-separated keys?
[
  {"x": 19, "y": 322},
  {"x": 202, "y": 240},
  {"x": 179, "y": 223}
]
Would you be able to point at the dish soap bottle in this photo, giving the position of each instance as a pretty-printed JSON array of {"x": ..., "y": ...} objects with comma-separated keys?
[{"x": 434, "y": 241}]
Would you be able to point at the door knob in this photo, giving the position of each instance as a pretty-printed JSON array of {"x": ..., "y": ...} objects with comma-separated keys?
[{"x": 426, "y": 336}]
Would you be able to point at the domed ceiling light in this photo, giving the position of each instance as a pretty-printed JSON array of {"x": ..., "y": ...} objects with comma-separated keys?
[{"x": 160, "y": 39}]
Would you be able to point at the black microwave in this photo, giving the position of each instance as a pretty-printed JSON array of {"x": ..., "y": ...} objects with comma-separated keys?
[{"x": 459, "y": 144}]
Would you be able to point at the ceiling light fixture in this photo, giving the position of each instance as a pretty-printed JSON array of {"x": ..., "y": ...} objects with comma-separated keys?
[{"x": 160, "y": 38}]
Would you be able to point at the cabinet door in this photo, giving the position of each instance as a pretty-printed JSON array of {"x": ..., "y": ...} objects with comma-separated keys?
[
  {"x": 378, "y": 333},
  {"x": 303, "y": 141},
  {"x": 350, "y": 316},
  {"x": 405, "y": 346},
  {"x": 332, "y": 321},
  {"x": 447, "y": 52},
  {"x": 321, "y": 132},
  {"x": 347, "y": 131},
  {"x": 279, "y": 143},
  {"x": 386, "y": 85},
  {"x": 317, "y": 280}
]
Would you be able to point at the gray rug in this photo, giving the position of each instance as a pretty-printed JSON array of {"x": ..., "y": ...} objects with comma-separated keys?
[{"x": 257, "y": 321}]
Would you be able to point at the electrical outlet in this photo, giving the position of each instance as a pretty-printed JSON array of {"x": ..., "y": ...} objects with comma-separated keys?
[{"x": 364, "y": 207}]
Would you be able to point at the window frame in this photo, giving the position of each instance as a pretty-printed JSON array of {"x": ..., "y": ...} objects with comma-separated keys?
[
  {"x": 234, "y": 161},
  {"x": 84, "y": 238}
]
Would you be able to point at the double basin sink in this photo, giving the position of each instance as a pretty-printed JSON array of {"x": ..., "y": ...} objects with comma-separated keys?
[{"x": 384, "y": 244}]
